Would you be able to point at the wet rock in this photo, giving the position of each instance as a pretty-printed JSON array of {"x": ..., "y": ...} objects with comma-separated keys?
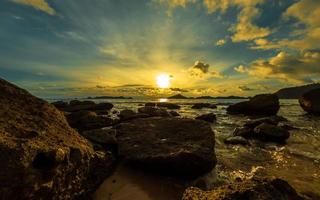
[
  {"x": 174, "y": 113},
  {"x": 105, "y": 136},
  {"x": 236, "y": 140},
  {"x": 87, "y": 120},
  {"x": 151, "y": 104},
  {"x": 270, "y": 132},
  {"x": 41, "y": 156},
  {"x": 203, "y": 105},
  {"x": 173, "y": 146},
  {"x": 263, "y": 189},
  {"x": 270, "y": 120},
  {"x": 207, "y": 117},
  {"x": 76, "y": 105},
  {"x": 245, "y": 132},
  {"x": 263, "y": 104},
  {"x": 154, "y": 111},
  {"x": 310, "y": 102},
  {"x": 126, "y": 115}
]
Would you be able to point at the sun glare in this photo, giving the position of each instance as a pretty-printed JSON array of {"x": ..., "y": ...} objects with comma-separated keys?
[{"x": 163, "y": 80}]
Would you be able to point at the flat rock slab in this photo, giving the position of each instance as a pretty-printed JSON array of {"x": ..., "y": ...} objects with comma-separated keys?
[{"x": 176, "y": 146}]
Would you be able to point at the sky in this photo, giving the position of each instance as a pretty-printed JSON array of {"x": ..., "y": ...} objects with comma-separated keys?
[{"x": 72, "y": 48}]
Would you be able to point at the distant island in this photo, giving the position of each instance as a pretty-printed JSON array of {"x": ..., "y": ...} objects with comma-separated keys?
[
  {"x": 110, "y": 97},
  {"x": 296, "y": 92},
  {"x": 180, "y": 96}
]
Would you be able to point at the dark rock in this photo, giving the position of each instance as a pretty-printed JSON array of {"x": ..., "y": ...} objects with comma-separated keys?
[
  {"x": 203, "y": 105},
  {"x": 41, "y": 156},
  {"x": 174, "y": 113},
  {"x": 270, "y": 120},
  {"x": 173, "y": 146},
  {"x": 207, "y": 117},
  {"x": 86, "y": 120},
  {"x": 151, "y": 104},
  {"x": 105, "y": 136},
  {"x": 263, "y": 189},
  {"x": 76, "y": 105},
  {"x": 263, "y": 104},
  {"x": 60, "y": 104},
  {"x": 270, "y": 132},
  {"x": 126, "y": 115},
  {"x": 310, "y": 101},
  {"x": 178, "y": 96},
  {"x": 245, "y": 132},
  {"x": 154, "y": 111},
  {"x": 236, "y": 140},
  {"x": 168, "y": 105}
]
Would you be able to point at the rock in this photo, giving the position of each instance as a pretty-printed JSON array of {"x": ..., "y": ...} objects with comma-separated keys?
[
  {"x": 263, "y": 189},
  {"x": 41, "y": 156},
  {"x": 310, "y": 101},
  {"x": 105, "y": 136},
  {"x": 76, "y": 105},
  {"x": 236, "y": 140},
  {"x": 60, "y": 104},
  {"x": 154, "y": 111},
  {"x": 263, "y": 104},
  {"x": 207, "y": 117},
  {"x": 245, "y": 132},
  {"x": 270, "y": 132},
  {"x": 174, "y": 113},
  {"x": 203, "y": 105},
  {"x": 87, "y": 120},
  {"x": 174, "y": 146},
  {"x": 270, "y": 120},
  {"x": 150, "y": 104},
  {"x": 168, "y": 105},
  {"x": 126, "y": 115}
]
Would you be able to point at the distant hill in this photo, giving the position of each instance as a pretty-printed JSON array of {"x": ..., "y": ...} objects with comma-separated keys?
[
  {"x": 231, "y": 97},
  {"x": 178, "y": 96},
  {"x": 110, "y": 97},
  {"x": 296, "y": 92}
]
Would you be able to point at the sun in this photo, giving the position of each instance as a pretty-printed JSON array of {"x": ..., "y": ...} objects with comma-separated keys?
[{"x": 163, "y": 80}]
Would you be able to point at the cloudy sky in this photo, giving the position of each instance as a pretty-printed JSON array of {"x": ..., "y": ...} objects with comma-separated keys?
[{"x": 119, "y": 47}]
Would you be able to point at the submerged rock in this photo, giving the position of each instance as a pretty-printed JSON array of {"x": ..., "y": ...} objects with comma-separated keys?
[
  {"x": 270, "y": 120},
  {"x": 270, "y": 132},
  {"x": 41, "y": 156},
  {"x": 87, "y": 120},
  {"x": 211, "y": 117},
  {"x": 236, "y": 140},
  {"x": 265, "y": 189},
  {"x": 173, "y": 146},
  {"x": 203, "y": 105},
  {"x": 263, "y": 104},
  {"x": 310, "y": 102}
]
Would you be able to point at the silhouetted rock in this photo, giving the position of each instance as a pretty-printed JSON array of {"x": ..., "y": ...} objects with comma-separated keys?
[
  {"x": 76, "y": 105},
  {"x": 174, "y": 113},
  {"x": 296, "y": 92},
  {"x": 263, "y": 104},
  {"x": 270, "y": 132},
  {"x": 207, "y": 117},
  {"x": 87, "y": 120},
  {"x": 154, "y": 111},
  {"x": 310, "y": 102},
  {"x": 126, "y": 115},
  {"x": 41, "y": 156},
  {"x": 151, "y": 104},
  {"x": 245, "y": 132},
  {"x": 203, "y": 105},
  {"x": 236, "y": 140},
  {"x": 263, "y": 189},
  {"x": 173, "y": 146}
]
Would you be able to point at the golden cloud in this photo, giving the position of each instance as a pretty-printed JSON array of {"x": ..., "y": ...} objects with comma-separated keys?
[{"x": 37, "y": 4}]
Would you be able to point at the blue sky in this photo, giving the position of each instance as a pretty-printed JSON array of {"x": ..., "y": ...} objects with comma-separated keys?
[{"x": 119, "y": 47}]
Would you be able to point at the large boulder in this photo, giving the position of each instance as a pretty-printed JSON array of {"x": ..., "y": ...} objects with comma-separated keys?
[
  {"x": 310, "y": 101},
  {"x": 203, "y": 105},
  {"x": 154, "y": 111},
  {"x": 174, "y": 146},
  {"x": 263, "y": 104},
  {"x": 41, "y": 156},
  {"x": 263, "y": 189},
  {"x": 210, "y": 117},
  {"x": 87, "y": 120},
  {"x": 270, "y": 132},
  {"x": 127, "y": 114}
]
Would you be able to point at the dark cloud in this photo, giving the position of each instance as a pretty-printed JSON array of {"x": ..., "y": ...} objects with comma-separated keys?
[
  {"x": 245, "y": 88},
  {"x": 203, "y": 67}
]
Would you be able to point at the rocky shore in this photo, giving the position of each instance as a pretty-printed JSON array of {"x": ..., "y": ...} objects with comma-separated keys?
[{"x": 65, "y": 150}]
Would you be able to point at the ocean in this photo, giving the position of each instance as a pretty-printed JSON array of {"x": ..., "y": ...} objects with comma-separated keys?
[{"x": 297, "y": 162}]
